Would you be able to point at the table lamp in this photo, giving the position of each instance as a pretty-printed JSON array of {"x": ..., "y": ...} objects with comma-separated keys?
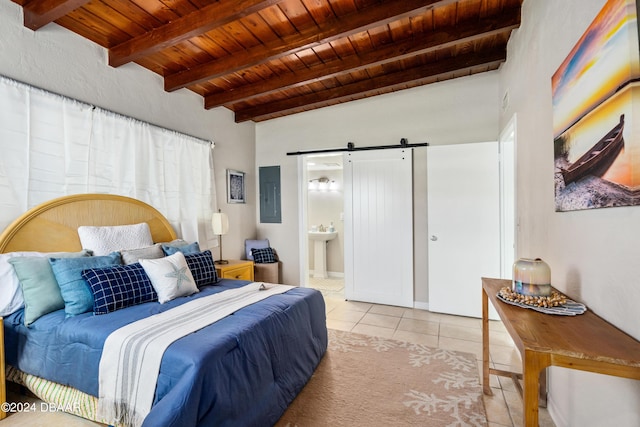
[{"x": 220, "y": 224}]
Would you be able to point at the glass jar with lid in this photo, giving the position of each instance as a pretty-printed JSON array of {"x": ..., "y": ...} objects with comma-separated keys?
[{"x": 531, "y": 277}]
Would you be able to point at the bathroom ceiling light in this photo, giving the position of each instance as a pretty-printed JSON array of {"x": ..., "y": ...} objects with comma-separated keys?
[{"x": 324, "y": 184}]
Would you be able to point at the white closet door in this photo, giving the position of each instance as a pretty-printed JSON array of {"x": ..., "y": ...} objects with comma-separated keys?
[
  {"x": 379, "y": 226},
  {"x": 463, "y": 225}
]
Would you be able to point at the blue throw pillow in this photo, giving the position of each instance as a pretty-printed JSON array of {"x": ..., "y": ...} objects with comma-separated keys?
[
  {"x": 38, "y": 283},
  {"x": 118, "y": 287},
  {"x": 264, "y": 256},
  {"x": 202, "y": 268},
  {"x": 187, "y": 249},
  {"x": 75, "y": 292}
]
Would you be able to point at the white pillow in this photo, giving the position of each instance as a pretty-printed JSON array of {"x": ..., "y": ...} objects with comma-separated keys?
[
  {"x": 10, "y": 292},
  {"x": 170, "y": 276},
  {"x": 104, "y": 240}
]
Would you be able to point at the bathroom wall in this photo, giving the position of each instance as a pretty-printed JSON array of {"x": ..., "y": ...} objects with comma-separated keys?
[{"x": 324, "y": 207}]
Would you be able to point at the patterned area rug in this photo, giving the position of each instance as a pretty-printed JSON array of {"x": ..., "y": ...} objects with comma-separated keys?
[{"x": 372, "y": 381}]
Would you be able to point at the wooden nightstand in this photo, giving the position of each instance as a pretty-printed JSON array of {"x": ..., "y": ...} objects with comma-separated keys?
[{"x": 236, "y": 269}]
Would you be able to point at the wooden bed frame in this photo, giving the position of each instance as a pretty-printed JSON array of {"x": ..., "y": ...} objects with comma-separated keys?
[{"x": 53, "y": 227}]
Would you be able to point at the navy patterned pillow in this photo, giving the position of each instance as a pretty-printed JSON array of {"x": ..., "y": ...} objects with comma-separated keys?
[
  {"x": 264, "y": 256},
  {"x": 118, "y": 287},
  {"x": 202, "y": 268}
]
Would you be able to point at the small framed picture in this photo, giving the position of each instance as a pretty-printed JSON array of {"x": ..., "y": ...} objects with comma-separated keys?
[{"x": 235, "y": 186}]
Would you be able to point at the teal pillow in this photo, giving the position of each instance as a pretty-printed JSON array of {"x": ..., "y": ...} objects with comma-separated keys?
[
  {"x": 38, "y": 283},
  {"x": 73, "y": 287},
  {"x": 186, "y": 249}
]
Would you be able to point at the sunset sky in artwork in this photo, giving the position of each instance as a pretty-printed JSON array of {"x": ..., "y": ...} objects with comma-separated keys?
[{"x": 605, "y": 57}]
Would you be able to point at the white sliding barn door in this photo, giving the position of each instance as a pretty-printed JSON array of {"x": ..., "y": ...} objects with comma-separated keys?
[
  {"x": 463, "y": 225},
  {"x": 379, "y": 226}
]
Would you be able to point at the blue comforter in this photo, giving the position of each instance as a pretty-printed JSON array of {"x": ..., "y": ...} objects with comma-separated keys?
[{"x": 243, "y": 370}]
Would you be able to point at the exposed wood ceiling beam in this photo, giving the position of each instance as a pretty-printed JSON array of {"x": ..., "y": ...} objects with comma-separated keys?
[
  {"x": 194, "y": 24},
  {"x": 279, "y": 57},
  {"x": 369, "y": 87},
  {"x": 38, "y": 13},
  {"x": 443, "y": 38},
  {"x": 382, "y": 13}
]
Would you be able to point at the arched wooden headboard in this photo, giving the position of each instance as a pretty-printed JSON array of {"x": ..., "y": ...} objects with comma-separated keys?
[{"x": 53, "y": 225}]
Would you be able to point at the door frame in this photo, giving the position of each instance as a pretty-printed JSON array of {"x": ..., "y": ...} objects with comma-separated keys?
[
  {"x": 303, "y": 240},
  {"x": 508, "y": 197},
  {"x": 303, "y": 213}
]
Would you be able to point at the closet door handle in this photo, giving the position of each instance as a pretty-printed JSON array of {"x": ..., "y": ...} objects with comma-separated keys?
[{"x": 434, "y": 238}]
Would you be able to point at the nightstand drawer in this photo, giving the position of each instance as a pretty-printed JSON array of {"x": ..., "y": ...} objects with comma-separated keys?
[
  {"x": 240, "y": 273},
  {"x": 236, "y": 269}
]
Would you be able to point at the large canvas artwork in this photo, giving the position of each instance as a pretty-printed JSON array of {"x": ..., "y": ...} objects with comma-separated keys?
[{"x": 596, "y": 139}]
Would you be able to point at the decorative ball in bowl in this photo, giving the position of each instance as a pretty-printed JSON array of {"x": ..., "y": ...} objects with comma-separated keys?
[{"x": 531, "y": 277}]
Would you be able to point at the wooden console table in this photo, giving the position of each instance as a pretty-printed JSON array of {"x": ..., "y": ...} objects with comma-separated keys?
[{"x": 585, "y": 342}]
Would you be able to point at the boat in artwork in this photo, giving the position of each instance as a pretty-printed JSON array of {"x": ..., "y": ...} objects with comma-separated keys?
[{"x": 602, "y": 154}]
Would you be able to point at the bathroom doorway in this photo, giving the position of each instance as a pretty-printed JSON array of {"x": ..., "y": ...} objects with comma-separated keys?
[{"x": 323, "y": 219}]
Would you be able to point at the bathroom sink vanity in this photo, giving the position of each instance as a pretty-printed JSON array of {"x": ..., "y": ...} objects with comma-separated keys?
[{"x": 320, "y": 239}]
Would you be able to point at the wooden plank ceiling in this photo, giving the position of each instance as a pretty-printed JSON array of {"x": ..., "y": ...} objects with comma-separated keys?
[{"x": 267, "y": 58}]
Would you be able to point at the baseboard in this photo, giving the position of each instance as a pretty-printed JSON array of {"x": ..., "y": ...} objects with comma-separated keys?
[
  {"x": 421, "y": 305},
  {"x": 558, "y": 420},
  {"x": 331, "y": 274}
]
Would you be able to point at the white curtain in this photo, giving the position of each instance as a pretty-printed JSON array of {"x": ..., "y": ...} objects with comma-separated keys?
[{"x": 52, "y": 146}]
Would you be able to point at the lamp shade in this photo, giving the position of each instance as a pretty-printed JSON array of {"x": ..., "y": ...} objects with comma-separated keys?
[{"x": 220, "y": 223}]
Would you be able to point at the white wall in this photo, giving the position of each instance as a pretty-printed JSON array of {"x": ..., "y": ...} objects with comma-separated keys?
[
  {"x": 455, "y": 111},
  {"x": 593, "y": 254},
  {"x": 57, "y": 60}
]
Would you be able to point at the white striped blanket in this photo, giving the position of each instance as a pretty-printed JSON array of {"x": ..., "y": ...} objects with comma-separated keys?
[{"x": 131, "y": 357}]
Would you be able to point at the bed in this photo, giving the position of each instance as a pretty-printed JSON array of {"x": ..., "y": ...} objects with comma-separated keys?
[{"x": 242, "y": 370}]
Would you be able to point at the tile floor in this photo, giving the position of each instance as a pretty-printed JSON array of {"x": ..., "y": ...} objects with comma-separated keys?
[{"x": 504, "y": 408}]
